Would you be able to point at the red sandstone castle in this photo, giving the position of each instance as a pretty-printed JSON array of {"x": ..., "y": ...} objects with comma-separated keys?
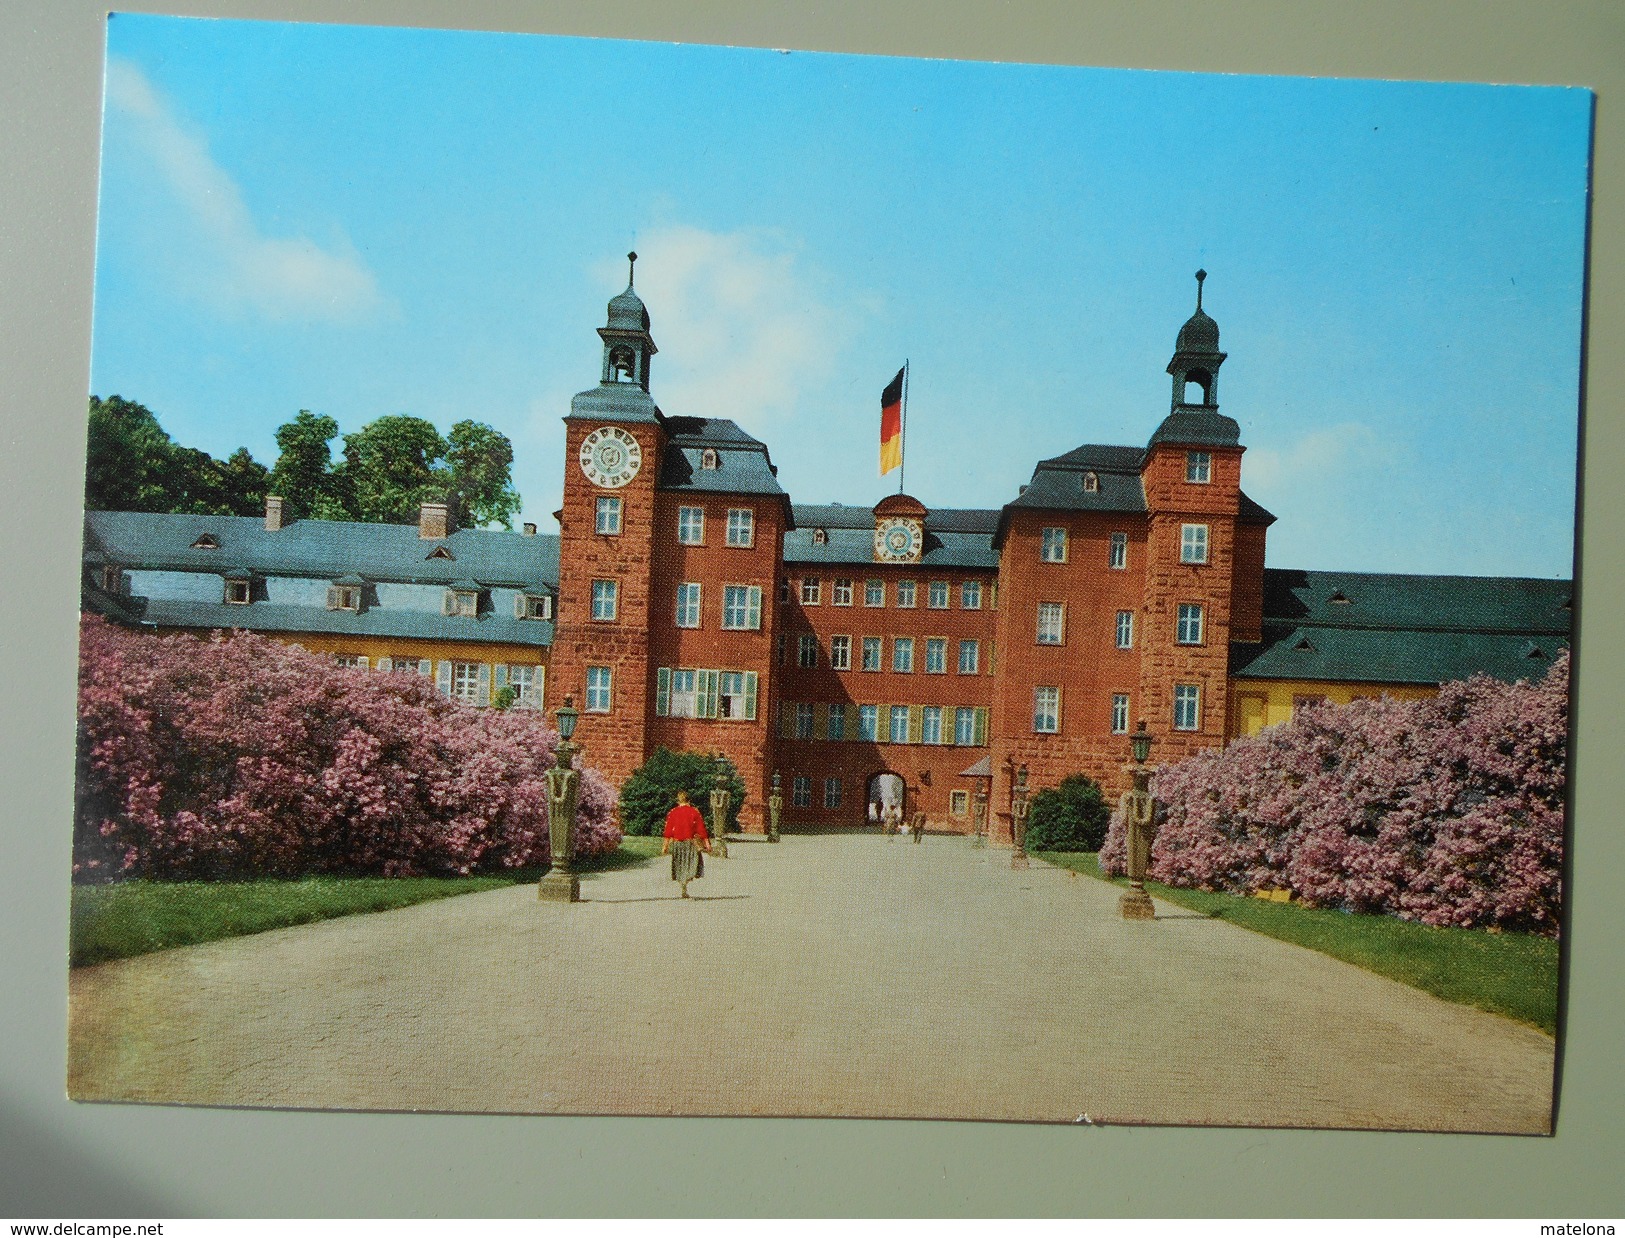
[
  {"x": 857, "y": 651},
  {"x": 893, "y": 654}
]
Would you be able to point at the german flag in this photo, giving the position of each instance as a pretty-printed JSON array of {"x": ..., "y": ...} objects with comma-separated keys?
[{"x": 891, "y": 425}]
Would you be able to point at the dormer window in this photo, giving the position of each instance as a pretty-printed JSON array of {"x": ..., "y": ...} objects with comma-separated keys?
[
  {"x": 1091, "y": 483},
  {"x": 463, "y": 598},
  {"x": 820, "y": 537},
  {"x": 441, "y": 552},
  {"x": 1340, "y": 597},
  {"x": 709, "y": 460},
  {"x": 206, "y": 541},
  {"x": 239, "y": 589},
  {"x": 534, "y": 606},
  {"x": 344, "y": 594}
]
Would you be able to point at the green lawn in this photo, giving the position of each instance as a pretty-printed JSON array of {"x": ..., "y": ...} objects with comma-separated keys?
[
  {"x": 1512, "y": 974},
  {"x": 137, "y": 917}
]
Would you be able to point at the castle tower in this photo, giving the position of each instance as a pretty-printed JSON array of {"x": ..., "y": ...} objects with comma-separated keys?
[
  {"x": 614, "y": 442},
  {"x": 1191, "y": 476}
]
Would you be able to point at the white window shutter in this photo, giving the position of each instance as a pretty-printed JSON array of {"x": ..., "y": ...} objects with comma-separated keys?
[
  {"x": 482, "y": 692},
  {"x": 707, "y": 694},
  {"x": 386, "y": 664},
  {"x": 425, "y": 667},
  {"x": 332, "y": 597},
  {"x": 750, "y": 696},
  {"x": 448, "y": 604},
  {"x": 663, "y": 692},
  {"x": 537, "y": 683},
  {"x": 501, "y": 680},
  {"x": 361, "y": 663},
  {"x": 443, "y": 679},
  {"x": 519, "y": 605}
]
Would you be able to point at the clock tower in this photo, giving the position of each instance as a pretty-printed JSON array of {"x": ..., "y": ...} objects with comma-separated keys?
[
  {"x": 899, "y": 529},
  {"x": 614, "y": 442}
]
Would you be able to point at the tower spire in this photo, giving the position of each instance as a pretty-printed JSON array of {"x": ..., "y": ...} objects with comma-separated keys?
[
  {"x": 1200, "y": 276},
  {"x": 632, "y": 269}
]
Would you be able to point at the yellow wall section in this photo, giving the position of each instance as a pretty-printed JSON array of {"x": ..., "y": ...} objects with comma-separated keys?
[
  {"x": 1258, "y": 703},
  {"x": 373, "y": 648}
]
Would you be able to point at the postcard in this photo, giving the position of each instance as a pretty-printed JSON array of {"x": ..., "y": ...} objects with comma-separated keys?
[{"x": 625, "y": 578}]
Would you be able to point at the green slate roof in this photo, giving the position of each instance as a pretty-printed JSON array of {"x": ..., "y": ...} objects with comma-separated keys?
[
  {"x": 323, "y": 549},
  {"x": 954, "y": 537},
  {"x": 743, "y": 463},
  {"x": 1365, "y": 627},
  {"x": 373, "y": 621}
]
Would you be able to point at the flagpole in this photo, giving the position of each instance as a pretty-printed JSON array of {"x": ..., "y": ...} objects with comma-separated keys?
[{"x": 902, "y": 446}]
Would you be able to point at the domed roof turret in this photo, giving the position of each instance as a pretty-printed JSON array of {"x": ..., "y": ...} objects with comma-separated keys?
[
  {"x": 1200, "y": 333},
  {"x": 627, "y": 311}
]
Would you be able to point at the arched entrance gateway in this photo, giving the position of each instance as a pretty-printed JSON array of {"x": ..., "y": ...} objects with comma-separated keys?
[{"x": 885, "y": 799}]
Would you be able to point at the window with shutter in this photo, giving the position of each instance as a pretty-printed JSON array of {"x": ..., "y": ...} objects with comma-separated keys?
[
  {"x": 706, "y": 695},
  {"x": 663, "y": 692}
]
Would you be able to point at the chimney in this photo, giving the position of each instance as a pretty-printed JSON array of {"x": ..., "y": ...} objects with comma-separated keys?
[
  {"x": 530, "y": 529},
  {"x": 273, "y": 512},
  {"x": 434, "y": 521}
]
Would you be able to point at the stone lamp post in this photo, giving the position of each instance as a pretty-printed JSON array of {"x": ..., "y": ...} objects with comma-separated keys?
[
  {"x": 775, "y": 806},
  {"x": 721, "y": 800},
  {"x": 979, "y": 813},
  {"x": 1020, "y": 803},
  {"x": 559, "y": 883},
  {"x": 1139, "y": 818}
]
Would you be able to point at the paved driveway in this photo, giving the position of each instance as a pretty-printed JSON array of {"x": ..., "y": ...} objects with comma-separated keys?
[{"x": 847, "y": 975}]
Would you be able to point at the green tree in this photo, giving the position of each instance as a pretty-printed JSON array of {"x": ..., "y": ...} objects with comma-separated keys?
[
  {"x": 304, "y": 474},
  {"x": 128, "y": 458},
  {"x": 131, "y": 464},
  {"x": 393, "y": 465},
  {"x": 651, "y": 792},
  {"x": 480, "y": 462},
  {"x": 1070, "y": 817}
]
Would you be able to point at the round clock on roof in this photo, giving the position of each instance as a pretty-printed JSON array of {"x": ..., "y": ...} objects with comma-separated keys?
[
  {"x": 897, "y": 539},
  {"x": 610, "y": 457}
]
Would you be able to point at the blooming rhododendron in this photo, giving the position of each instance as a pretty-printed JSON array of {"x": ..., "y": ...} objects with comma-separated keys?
[
  {"x": 1447, "y": 811},
  {"x": 239, "y": 756}
]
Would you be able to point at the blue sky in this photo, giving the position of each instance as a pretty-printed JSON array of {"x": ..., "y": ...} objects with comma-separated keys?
[{"x": 363, "y": 221}]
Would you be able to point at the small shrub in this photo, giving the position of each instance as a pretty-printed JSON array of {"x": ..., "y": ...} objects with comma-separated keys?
[
  {"x": 1070, "y": 817},
  {"x": 651, "y": 792}
]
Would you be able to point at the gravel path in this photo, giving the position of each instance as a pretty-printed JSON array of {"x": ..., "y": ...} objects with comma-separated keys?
[{"x": 835, "y": 976}]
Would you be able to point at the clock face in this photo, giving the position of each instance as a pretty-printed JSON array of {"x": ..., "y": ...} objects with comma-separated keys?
[
  {"x": 897, "y": 539},
  {"x": 610, "y": 457}
]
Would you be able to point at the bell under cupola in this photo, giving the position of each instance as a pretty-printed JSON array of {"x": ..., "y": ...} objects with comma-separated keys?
[
  {"x": 1195, "y": 367},
  {"x": 627, "y": 342}
]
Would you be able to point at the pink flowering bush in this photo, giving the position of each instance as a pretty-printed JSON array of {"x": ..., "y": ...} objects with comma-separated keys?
[
  {"x": 239, "y": 756},
  {"x": 1447, "y": 811}
]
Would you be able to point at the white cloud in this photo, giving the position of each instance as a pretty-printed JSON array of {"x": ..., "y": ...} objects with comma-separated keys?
[
  {"x": 746, "y": 328},
  {"x": 1322, "y": 460},
  {"x": 220, "y": 245}
]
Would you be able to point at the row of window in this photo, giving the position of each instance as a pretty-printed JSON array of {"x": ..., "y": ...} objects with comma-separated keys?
[
  {"x": 741, "y": 606},
  {"x": 871, "y": 654},
  {"x": 688, "y": 693},
  {"x": 1193, "y": 539},
  {"x": 1187, "y": 710},
  {"x": 801, "y": 795},
  {"x": 1188, "y": 628},
  {"x": 474, "y": 683},
  {"x": 963, "y": 725},
  {"x": 239, "y": 591},
  {"x": 937, "y": 593},
  {"x": 740, "y": 525}
]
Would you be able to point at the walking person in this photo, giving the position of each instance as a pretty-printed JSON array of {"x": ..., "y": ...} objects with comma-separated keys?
[{"x": 685, "y": 839}]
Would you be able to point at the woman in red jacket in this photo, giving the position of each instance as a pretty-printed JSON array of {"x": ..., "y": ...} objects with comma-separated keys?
[{"x": 685, "y": 839}]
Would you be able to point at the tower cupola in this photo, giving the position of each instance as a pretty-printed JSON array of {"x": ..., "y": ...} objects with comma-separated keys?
[
  {"x": 627, "y": 342},
  {"x": 1196, "y": 362}
]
